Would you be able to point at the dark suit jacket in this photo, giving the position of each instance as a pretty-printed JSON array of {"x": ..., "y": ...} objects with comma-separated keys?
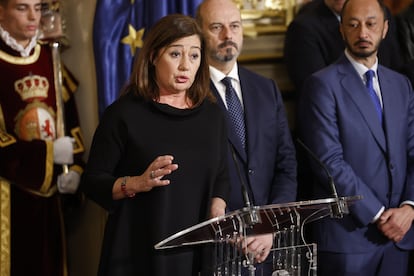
[
  {"x": 313, "y": 41},
  {"x": 338, "y": 122},
  {"x": 405, "y": 27},
  {"x": 269, "y": 165}
]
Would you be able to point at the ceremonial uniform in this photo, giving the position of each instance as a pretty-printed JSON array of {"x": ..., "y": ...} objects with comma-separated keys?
[{"x": 32, "y": 226}]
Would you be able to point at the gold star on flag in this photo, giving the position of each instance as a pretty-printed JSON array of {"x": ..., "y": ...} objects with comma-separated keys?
[{"x": 134, "y": 38}]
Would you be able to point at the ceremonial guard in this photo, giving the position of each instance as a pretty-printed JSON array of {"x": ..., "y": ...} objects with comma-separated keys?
[{"x": 41, "y": 144}]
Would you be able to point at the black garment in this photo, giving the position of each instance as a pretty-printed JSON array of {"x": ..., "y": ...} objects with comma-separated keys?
[
  {"x": 132, "y": 133},
  {"x": 405, "y": 27}
]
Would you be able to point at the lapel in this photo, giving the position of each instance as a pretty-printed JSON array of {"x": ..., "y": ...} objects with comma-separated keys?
[
  {"x": 231, "y": 133},
  {"x": 355, "y": 88},
  {"x": 390, "y": 104},
  {"x": 252, "y": 113}
]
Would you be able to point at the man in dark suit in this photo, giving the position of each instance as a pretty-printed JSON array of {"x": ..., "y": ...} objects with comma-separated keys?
[
  {"x": 366, "y": 142},
  {"x": 266, "y": 159},
  {"x": 313, "y": 41},
  {"x": 405, "y": 27}
]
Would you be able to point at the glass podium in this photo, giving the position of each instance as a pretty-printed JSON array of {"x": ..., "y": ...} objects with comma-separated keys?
[{"x": 290, "y": 254}]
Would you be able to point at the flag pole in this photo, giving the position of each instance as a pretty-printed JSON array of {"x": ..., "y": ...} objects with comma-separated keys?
[
  {"x": 52, "y": 31},
  {"x": 60, "y": 111}
]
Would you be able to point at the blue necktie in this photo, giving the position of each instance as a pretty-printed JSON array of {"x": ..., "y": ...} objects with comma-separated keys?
[
  {"x": 370, "y": 86},
  {"x": 235, "y": 110}
]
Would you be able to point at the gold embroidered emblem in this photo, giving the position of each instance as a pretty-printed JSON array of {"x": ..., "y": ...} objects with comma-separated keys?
[
  {"x": 78, "y": 145},
  {"x": 36, "y": 121},
  {"x": 6, "y": 139},
  {"x": 31, "y": 87}
]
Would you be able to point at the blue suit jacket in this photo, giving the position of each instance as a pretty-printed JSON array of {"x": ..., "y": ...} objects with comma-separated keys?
[
  {"x": 313, "y": 41},
  {"x": 268, "y": 166},
  {"x": 338, "y": 121}
]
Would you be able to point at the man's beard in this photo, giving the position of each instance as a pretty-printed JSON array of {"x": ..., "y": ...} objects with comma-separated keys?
[
  {"x": 229, "y": 54},
  {"x": 361, "y": 53}
]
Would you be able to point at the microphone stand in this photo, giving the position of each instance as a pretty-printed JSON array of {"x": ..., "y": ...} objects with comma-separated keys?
[
  {"x": 251, "y": 217},
  {"x": 340, "y": 207}
]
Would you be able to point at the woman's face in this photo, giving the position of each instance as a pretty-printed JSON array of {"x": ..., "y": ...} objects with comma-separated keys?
[{"x": 177, "y": 64}]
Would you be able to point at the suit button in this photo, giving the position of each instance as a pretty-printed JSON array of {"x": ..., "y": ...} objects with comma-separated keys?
[
  {"x": 391, "y": 166},
  {"x": 251, "y": 171}
]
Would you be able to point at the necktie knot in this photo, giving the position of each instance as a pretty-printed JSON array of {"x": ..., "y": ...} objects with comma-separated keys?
[
  {"x": 369, "y": 75},
  {"x": 226, "y": 81},
  {"x": 229, "y": 87}
]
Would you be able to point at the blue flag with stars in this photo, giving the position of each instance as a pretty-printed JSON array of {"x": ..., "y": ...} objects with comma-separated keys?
[{"x": 118, "y": 30}]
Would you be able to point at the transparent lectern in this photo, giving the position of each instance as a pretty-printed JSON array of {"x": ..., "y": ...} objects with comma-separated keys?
[{"x": 290, "y": 254}]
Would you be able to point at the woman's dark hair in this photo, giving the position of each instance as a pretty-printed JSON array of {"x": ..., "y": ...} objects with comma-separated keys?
[{"x": 165, "y": 32}]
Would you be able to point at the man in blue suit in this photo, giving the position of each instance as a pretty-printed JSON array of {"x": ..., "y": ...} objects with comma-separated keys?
[
  {"x": 368, "y": 151},
  {"x": 313, "y": 41},
  {"x": 266, "y": 160}
]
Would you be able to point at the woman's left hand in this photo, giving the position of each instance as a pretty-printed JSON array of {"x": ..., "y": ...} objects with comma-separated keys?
[{"x": 218, "y": 207}]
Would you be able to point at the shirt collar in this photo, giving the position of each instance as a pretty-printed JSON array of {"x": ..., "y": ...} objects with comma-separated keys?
[
  {"x": 12, "y": 43},
  {"x": 359, "y": 67},
  {"x": 217, "y": 75}
]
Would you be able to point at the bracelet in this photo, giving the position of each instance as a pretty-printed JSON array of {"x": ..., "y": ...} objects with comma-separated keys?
[{"x": 123, "y": 187}]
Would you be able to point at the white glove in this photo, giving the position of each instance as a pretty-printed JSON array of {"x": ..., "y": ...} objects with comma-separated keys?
[
  {"x": 63, "y": 150},
  {"x": 68, "y": 183}
]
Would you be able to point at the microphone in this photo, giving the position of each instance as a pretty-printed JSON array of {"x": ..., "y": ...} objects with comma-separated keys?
[
  {"x": 253, "y": 217},
  {"x": 340, "y": 207}
]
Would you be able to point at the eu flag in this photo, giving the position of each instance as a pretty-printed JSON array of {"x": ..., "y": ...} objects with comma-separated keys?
[{"x": 118, "y": 30}]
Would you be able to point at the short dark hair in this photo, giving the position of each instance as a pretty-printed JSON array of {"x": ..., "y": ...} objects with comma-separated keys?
[
  {"x": 167, "y": 30},
  {"x": 380, "y": 3}
]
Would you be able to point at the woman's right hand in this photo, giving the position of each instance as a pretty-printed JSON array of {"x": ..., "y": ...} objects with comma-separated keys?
[{"x": 152, "y": 177}]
